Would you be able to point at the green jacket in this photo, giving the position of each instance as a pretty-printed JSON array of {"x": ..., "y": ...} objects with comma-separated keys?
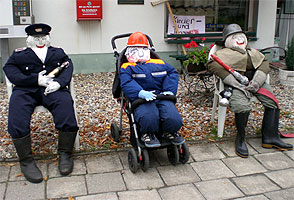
[{"x": 238, "y": 60}]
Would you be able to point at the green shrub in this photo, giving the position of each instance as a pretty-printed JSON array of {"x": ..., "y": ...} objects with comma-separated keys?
[{"x": 290, "y": 55}]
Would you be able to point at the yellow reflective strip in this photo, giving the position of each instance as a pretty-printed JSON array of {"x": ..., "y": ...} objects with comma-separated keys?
[
  {"x": 125, "y": 65},
  {"x": 155, "y": 61}
]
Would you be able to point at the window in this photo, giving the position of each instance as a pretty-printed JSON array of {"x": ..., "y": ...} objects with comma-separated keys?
[
  {"x": 289, "y": 7},
  {"x": 219, "y": 13},
  {"x": 130, "y": 1}
]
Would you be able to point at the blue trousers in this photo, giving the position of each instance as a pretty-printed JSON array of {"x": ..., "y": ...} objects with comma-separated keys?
[
  {"x": 22, "y": 104},
  {"x": 158, "y": 115}
]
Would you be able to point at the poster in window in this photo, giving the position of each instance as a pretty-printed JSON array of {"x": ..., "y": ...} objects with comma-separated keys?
[
  {"x": 130, "y": 1},
  {"x": 187, "y": 24},
  {"x": 289, "y": 7}
]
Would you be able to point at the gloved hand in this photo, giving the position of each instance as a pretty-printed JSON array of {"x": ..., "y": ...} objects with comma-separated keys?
[
  {"x": 43, "y": 80},
  {"x": 231, "y": 81},
  {"x": 167, "y": 93},
  {"x": 257, "y": 81},
  {"x": 225, "y": 96},
  {"x": 253, "y": 86},
  {"x": 52, "y": 87},
  {"x": 147, "y": 95}
]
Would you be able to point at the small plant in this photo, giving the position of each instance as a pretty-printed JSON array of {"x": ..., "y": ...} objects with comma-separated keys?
[
  {"x": 212, "y": 136},
  {"x": 197, "y": 53},
  {"x": 290, "y": 56},
  {"x": 258, "y": 131}
]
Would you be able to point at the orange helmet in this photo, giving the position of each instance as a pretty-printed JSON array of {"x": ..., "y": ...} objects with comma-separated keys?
[{"x": 138, "y": 39}]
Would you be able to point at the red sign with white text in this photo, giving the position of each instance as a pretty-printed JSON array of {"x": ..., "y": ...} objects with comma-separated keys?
[{"x": 89, "y": 9}]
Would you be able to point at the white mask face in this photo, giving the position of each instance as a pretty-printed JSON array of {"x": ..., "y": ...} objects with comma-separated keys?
[
  {"x": 237, "y": 40},
  {"x": 38, "y": 41},
  {"x": 137, "y": 54}
]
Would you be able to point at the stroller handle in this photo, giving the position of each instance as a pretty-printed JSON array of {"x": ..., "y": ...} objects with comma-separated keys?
[{"x": 127, "y": 35}]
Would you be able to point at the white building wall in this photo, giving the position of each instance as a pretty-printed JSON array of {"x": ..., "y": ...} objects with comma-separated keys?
[
  {"x": 266, "y": 24},
  {"x": 6, "y": 12},
  {"x": 86, "y": 37},
  {"x": 80, "y": 37}
]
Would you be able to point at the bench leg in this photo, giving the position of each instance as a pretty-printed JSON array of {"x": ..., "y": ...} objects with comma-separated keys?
[
  {"x": 221, "y": 120},
  {"x": 215, "y": 100},
  {"x": 77, "y": 142}
]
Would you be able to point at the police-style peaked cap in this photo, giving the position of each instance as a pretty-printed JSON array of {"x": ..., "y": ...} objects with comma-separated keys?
[{"x": 38, "y": 29}]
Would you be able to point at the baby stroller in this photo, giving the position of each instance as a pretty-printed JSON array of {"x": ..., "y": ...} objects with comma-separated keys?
[{"x": 138, "y": 155}]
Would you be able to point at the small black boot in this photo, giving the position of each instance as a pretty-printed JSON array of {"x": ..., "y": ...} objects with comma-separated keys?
[
  {"x": 270, "y": 130},
  {"x": 27, "y": 164},
  {"x": 65, "y": 148},
  {"x": 241, "y": 120}
]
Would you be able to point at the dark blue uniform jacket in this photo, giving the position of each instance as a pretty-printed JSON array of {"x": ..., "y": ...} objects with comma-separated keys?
[
  {"x": 154, "y": 74},
  {"x": 23, "y": 66}
]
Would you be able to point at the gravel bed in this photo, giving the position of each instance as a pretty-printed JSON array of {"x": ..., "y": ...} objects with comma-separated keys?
[{"x": 97, "y": 109}]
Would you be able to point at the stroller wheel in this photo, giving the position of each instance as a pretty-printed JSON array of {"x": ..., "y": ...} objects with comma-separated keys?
[
  {"x": 115, "y": 132},
  {"x": 133, "y": 160},
  {"x": 173, "y": 154},
  {"x": 184, "y": 153},
  {"x": 145, "y": 160}
]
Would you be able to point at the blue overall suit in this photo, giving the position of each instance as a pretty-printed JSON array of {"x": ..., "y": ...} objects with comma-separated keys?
[
  {"x": 22, "y": 70},
  {"x": 153, "y": 75}
]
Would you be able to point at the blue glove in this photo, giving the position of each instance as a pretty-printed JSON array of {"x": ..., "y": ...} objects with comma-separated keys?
[
  {"x": 167, "y": 93},
  {"x": 147, "y": 95}
]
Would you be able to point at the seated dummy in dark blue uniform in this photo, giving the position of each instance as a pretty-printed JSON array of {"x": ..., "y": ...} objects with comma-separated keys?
[
  {"x": 144, "y": 78},
  {"x": 27, "y": 69}
]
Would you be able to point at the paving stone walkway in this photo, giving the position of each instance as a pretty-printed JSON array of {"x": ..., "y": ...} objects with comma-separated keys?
[{"x": 213, "y": 172}]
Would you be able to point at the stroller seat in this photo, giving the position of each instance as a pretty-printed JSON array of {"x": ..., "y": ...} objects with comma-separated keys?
[{"x": 138, "y": 155}]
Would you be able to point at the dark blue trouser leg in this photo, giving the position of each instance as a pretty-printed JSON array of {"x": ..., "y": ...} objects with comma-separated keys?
[
  {"x": 60, "y": 104},
  {"x": 170, "y": 118},
  {"x": 163, "y": 112},
  {"x": 21, "y": 107},
  {"x": 147, "y": 116}
]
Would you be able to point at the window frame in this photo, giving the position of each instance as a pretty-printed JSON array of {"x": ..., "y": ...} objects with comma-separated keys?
[
  {"x": 250, "y": 23},
  {"x": 135, "y": 2}
]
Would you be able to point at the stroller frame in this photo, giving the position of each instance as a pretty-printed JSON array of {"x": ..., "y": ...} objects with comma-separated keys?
[{"x": 138, "y": 155}]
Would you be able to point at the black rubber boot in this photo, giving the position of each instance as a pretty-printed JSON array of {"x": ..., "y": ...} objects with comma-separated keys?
[
  {"x": 27, "y": 164},
  {"x": 270, "y": 131},
  {"x": 66, "y": 142},
  {"x": 241, "y": 120}
]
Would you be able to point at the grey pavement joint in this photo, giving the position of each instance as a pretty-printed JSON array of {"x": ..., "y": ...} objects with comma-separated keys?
[
  {"x": 275, "y": 161},
  {"x": 65, "y": 186},
  {"x": 255, "y": 184},
  {"x": 25, "y": 190},
  {"x": 281, "y": 194},
  {"x": 174, "y": 175},
  {"x": 206, "y": 152},
  {"x": 241, "y": 166},
  {"x": 284, "y": 178},
  {"x": 4, "y": 172},
  {"x": 183, "y": 192},
  {"x": 213, "y": 172},
  {"x": 212, "y": 169},
  {"x": 218, "y": 189},
  {"x": 139, "y": 195},
  {"x": 142, "y": 180},
  {"x": 106, "y": 182}
]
